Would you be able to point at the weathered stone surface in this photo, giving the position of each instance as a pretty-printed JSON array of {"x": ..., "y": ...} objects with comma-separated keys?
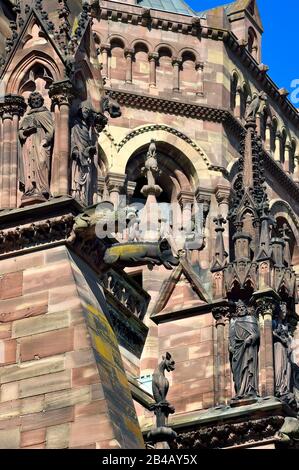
[
  {"x": 10, "y": 439},
  {"x": 11, "y": 285},
  {"x": 49, "y": 383},
  {"x": 9, "y": 391},
  {"x": 23, "y": 307},
  {"x": 33, "y": 326},
  {"x": 58, "y": 437},
  {"x": 85, "y": 375},
  {"x": 46, "y": 344},
  {"x": 66, "y": 398},
  {"x": 32, "y": 369},
  {"x": 33, "y": 438},
  {"x": 47, "y": 418},
  {"x": 90, "y": 429}
]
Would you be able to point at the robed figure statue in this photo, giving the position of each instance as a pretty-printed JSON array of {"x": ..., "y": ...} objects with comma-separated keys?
[
  {"x": 36, "y": 136},
  {"x": 83, "y": 151},
  {"x": 244, "y": 338},
  {"x": 282, "y": 355}
]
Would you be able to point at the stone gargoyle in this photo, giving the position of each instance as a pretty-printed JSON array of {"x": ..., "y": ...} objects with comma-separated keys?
[
  {"x": 133, "y": 254},
  {"x": 127, "y": 254}
]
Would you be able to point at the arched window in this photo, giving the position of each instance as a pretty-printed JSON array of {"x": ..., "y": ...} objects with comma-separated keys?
[
  {"x": 189, "y": 74},
  {"x": 141, "y": 65},
  {"x": 117, "y": 60},
  {"x": 164, "y": 69}
]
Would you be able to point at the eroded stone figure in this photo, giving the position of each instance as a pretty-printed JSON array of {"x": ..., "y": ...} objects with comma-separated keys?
[
  {"x": 282, "y": 354},
  {"x": 151, "y": 169},
  {"x": 83, "y": 151},
  {"x": 36, "y": 136},
  {"x": 160, "y": 382},
  {"x": 244, "y": 338}
]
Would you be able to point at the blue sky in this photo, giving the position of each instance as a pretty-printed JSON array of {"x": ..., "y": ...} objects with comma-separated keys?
[{"x": 280, "y": 39}]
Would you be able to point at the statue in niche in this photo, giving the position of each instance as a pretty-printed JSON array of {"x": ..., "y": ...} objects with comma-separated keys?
[
  {"x": 83, "y": 151},
  {"x": 36, "y": 136},
  {"x": 244, "y": 338},
  {"x": 286, "y": 372}
]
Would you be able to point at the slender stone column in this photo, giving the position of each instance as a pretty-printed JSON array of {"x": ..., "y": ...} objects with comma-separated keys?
[
  {"x": 266, "y": 357},
  {"x": 11, "y": 109},
  {"x": 129, "y": 55},
  {"x": 177, "y": 63},
  {"x": 186, "y": 201},
  {"x": 105, "y": 50},
  {"x": 222, "y": 197},
  {"x": 62, "y": 95},
  {"x": 287, "y": 157},
  {"x": 199, "y": 66},
  {"x": 153, "y": 60},
  {"x": 238, "y": 102},
  {"x": 277, "y": 147},
  {"x": 268, "y": 137},
  {"x": 221, "y": 316},
  {"x": 259, "y": 123},
  {"x": 115, "y": 184},
  {"x": 7, "y": 133},
  {"x": 296, "y": 168}
]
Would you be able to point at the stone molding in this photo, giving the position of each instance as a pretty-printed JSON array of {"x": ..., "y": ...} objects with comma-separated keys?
[
  {"x": 202, "y": 112},
  {"x": 231, "y": 434}
]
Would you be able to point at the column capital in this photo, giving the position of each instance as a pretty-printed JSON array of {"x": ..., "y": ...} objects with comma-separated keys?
[
  {"x": 115, "y": 182},
  {"x": 131, "y": 186},
  {"x": 199, "y": 65},
  {"x": 222, "y": 194},
  {"x": 12, "y": 105},
  {"x": 186, "y": 197},
  {"x": 221, "y": 314},
  {"x": 129, "y": 52},
  {"x": 62, "y": 93},
  {"x": 153, "y": 56},
  {"x": 105, "y": 47},
  {"x": 177, "y": 61}
]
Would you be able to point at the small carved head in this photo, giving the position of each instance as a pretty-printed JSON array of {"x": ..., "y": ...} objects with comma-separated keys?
[
  {"x": 283, "y": 310},
  {"x": 36, "y": 100},
  {"x": 241, "y": 309},
  {"x": 169, "y": 362}
]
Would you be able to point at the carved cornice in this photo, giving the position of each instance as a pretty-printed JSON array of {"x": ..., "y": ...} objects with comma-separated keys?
[
  {"x": 230, "y": 434},
  {"x": 146, "y": 17},
  {"x": 201, "y": 112},
  {"x": 162, "y": 105},
  {"x": 31, "y": 236}
]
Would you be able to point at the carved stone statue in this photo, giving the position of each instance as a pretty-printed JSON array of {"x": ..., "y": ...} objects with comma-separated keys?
[
  {"x": 282, "y": 355},
  {"x": 160, "y": 382},
  {"x": 253, "y": 107},
  {"x": 151, "y": 169},
  {"x": 36, "y": 136},
  {"x": 162, "y": 433},
  {"x": 83, "y": 151},
  {"x": 244, "y": 338}
]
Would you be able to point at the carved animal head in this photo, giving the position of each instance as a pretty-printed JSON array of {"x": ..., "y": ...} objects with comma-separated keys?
[
  {"x": 168, "y": 362},
  {"x": 111, "y": 107}
]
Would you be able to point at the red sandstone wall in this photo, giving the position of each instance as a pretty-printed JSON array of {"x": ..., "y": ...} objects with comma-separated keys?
[{"x": 52, "y": 392}]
